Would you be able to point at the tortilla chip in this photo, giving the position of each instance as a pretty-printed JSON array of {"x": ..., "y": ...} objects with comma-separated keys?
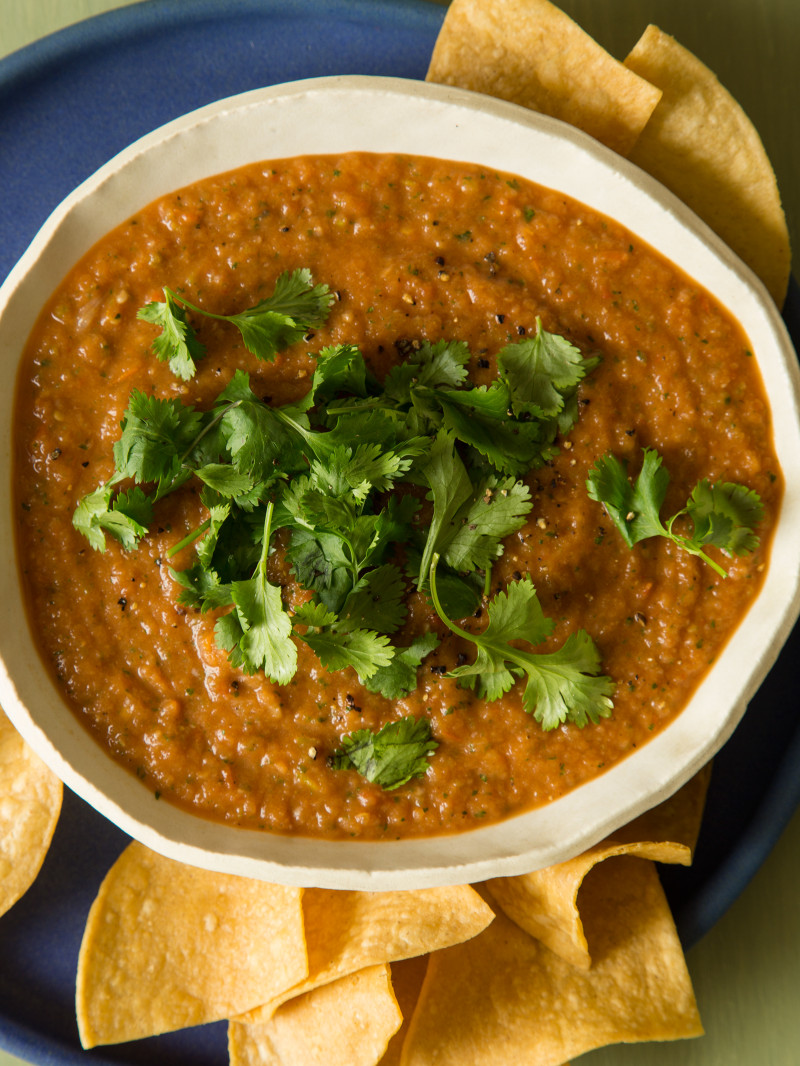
[
  {"x": 545, "y": 903},
  {"x": 504, "y": 998},
  {"x": 345, "y": 1023},
  {"x": 348, "y": 931},
  {"x": 702, "y": 146},
  {"x": 168, "y": 946},
  {"x": 30, "y": 803},
  {"x": 407, "y": 978},
  {"x": 531, "y": 53}
]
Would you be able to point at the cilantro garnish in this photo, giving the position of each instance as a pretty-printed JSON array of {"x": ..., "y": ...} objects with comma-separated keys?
[
  {"x": 390, "y": 757},
  {"x": 258, "y": 631},
  {"x": 125, "y": 517},
  {"x": 540, "y": 372},
  {"x": 271, "y": 325},
  {"x": 399, "y": 678},
  {"x": 338, "y": 476},
  {"x": 562, "y": 686},
  {"x": 469, "y": 520},
  {"x": 722, "y": 515}
]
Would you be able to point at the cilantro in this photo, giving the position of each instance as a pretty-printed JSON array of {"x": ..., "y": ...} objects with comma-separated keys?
[
  {"x": 377, "y": 600},
  {"x": 450, "y": 490},
  {"x": 257, "y": 634},
  {"x": 125, "y": 517},
  {"x": 266, "y": 328},
  {"x": 721, "y": 515},
  {"x": 469, "y": 520},
  {"x": 390, "y": 757},
  {"x": 340, "y": 473},
  {"x": 156, "y": 436},
  {"x": 343, "y": 640},
  {"x": 177, "y": 344},
  {"x": 399, "y": 678},
  {"x": 481, "y": 419},
  {"x": 562, "y": 685},
  {"x": 338, "y": 647},
  {"x": 540, "y": 372}
]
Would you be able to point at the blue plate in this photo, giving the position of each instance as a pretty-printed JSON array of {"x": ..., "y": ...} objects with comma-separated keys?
[{"x": 67, "y": 104}]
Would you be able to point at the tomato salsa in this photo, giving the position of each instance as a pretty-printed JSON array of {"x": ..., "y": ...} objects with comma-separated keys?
[{"x": 415, "y": 249}]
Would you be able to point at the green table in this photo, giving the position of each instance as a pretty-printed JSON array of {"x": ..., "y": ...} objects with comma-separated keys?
[{"x": 747, "y": 969}]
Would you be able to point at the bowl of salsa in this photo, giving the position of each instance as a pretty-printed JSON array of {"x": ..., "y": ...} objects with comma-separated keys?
[{"x": 402, "y": 488}]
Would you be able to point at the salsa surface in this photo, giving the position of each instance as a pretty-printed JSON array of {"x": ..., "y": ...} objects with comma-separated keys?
[{"x": 415, "y": 248}]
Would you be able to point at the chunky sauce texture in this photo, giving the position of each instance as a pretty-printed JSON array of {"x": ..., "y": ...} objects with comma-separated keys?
[{"x": 415, "y": 248}]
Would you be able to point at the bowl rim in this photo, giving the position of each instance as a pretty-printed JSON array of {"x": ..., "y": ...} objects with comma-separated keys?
[{"x": 455, "y": 118}]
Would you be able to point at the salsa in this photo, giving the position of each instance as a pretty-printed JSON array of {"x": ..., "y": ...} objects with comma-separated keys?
[{"x": 415, "y": 249}]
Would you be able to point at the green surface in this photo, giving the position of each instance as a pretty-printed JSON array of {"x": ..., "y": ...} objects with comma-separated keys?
[{"x": 747, "y": 969}]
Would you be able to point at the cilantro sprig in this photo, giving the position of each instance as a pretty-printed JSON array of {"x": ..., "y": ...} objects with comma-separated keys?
[
  {"x": 470, "y": 520},
  {"x": 295, "y": 306},
  {"x": 721, "y": 515},
  {"x": 562, "y": 686}
]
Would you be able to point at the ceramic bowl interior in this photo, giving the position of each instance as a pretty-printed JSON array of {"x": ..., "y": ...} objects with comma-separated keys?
[{"x": 382, "y": 114}]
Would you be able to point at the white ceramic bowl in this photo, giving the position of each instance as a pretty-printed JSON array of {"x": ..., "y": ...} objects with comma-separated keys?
[{"x": 382, "y": 114}]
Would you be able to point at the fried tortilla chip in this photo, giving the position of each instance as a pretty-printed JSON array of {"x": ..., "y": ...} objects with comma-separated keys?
[
  {"x": 347, "y": 1022},
  {"x": 168, "y": 946},
  {"x": 545, "y": 903},
  {"x": 30, "y": 803},
  {"x": 531, "y": 53},
  {"x": 504, "y": 999},
  {"x": 701, "y": 145},
  {"x": 348, "y": 931},
  {"x": 407, "y": 978}
]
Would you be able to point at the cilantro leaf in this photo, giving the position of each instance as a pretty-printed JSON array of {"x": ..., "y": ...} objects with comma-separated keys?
[
  {"x": 358, "y": 470},
  {"x": 634, "y": 507},
  {"x": 496, "y": 510},
  {"x": 399, "y": 678},
  {"x": 266, "y": 630},
  {"x": 722, "y": 516},
  {"x": 155, "y": 439},
  {"x": 376, "y": 601},
  {"x": 126, "y": 518},
  {"x": 177, "y": 344},
  {"x": 89, "y": 514},
  {"x": 338, "y": 643},
  {"x": 202, "y": 588},
  {"x": 339, "y": 368},
  {"x": 314, "y": 614},
  {"x": 443, "y": 364},
  {"x": 258, "y": 633},
  {"x": 392, "y": 756},
  {"x": 539, "y": 371},
  {"x": 563, "y": 685},
  {"x": 218, "y": 514},
  {"x": 136, "y": 506},
  {"x": 297, "y": 297},
  {"x": 259, "y": 442},
  {"x": 225, "y": 479},
  {"x": 283, "y": 318},
  {"x": 469, "y": 521},
  {"x": 320, "y": 562},
  {"x": 337, "y": 648},
  {"x": 480, "y": 419},
  {"x": 450, "y": 488}
]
